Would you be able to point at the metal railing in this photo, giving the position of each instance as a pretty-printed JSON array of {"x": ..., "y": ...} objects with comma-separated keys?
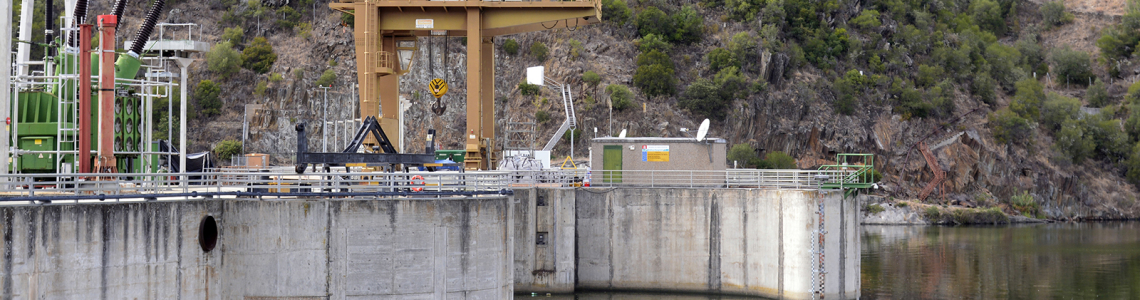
[
  {"x": 731, "y": 178},
  {"x": 235, "y": 183},
  {"x": 78, "y": 188}
]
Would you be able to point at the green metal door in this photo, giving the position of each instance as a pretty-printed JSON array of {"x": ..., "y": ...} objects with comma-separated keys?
[{"x": 611, "y": 164}]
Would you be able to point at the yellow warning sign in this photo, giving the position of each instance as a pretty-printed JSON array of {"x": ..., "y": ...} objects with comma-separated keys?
[
  {"x": 39, "y": 141},
  {"x": 437, "y": 87},
  {"x": 662, "y": 156}
]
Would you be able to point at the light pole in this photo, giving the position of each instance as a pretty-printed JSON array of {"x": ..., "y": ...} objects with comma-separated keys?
[{"x": 325, "y": 122}]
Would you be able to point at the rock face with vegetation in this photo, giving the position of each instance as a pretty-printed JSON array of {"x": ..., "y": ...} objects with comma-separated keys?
[{"x": 1033, "y": 100}]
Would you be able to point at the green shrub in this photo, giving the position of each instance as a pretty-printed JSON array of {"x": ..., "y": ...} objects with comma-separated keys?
[
  {"x": 620, "y": 96},
  {"x": 527, "y": 89},
  {"x": 261, "y": 87},
  {"x": 615, "y": 11},
  {"x": 1009, "y": 127},
  {"x": 988, "y": 15},
  {"x": 743, "y": 44},
  {"x": 744, "y": 10},
  {"x": 689, "y": 26},
  {"x": 703, "y": 98},
  {"x": 1057, "y": 109},
  {"x": 1027, "y": 102},
  {"x": 868, "y": 19},
  {"x": 742, "y": 154},
  {"x": 1132, "y": 125},
  {"x": 928, "y": 75},
  {"x": 655, "y": 21},
  {"x": 1110, "y": 140},
  {"x": 223, "y": 60},
  {"x": 1024, "y": 203},
  {"x": 542, "y": 116},
  {"x": 511, "y": 47},
  {"x": 1133, "y": 165},
  {"x": 780, "y": 160},
  {"x": 572, "y": 134},
  {"x": 305, "y": 30},
  {"x": 1071, "y": 66},
  {"x": 298, "y": 74},
  {"x": 276, "y": 77},
  {"x": 983, "y": 86},
  {"x": 1053, "y": 14},
  {"x": 874, "y": 209},
  {"x": 1097, "y": 94},
  {"x": 259, "y": 56},
  {"x": 932, "y": 213},
  {"x": 1003, "y": 62},
  {"x": 227, "y": 148},
  {"x": 576, "y": 49},
  {"x": 539, "y": 51},
  {"x": 654, "y": 74},
  {"x": 652, "y": 42},
  {"x": 207, "y": 94},
  {"x": 1074, "y": 142},
  {"x": 327, "y": 78},
  {"x": 233, "y": 35}
]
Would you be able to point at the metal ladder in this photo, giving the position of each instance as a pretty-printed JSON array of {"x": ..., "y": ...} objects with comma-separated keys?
[
  {"x": 67, "y": 129},
  {"x": 571, "y": 119}
]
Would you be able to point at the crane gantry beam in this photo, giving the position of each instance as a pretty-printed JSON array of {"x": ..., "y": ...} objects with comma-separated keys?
[{"x": 384, "y": 27}]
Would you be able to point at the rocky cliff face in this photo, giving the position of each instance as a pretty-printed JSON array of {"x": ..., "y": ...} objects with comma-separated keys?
[{"x": 795, "y": 115}]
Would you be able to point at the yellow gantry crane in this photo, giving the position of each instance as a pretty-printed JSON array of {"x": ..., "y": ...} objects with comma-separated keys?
[{"x": 386, "y": 31}]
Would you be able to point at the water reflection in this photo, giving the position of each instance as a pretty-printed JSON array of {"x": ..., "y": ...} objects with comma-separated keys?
[
  {"x": 630, "y": 296},
  {"x": 1047, "y": 261}
]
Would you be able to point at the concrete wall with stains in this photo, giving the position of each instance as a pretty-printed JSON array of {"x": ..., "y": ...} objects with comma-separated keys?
[
  {"x": 723, "y": 241},
  {"x": 296, "y": 249},
  {"x": 544, "y": 240}
]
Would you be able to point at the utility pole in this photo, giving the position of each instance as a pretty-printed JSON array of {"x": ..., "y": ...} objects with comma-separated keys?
[
  {"x": 184, "y": 65},
  {"x": 325, "y": 122}
]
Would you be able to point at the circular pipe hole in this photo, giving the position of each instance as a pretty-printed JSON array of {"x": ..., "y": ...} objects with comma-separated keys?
[{"x": 208, "y": 233}]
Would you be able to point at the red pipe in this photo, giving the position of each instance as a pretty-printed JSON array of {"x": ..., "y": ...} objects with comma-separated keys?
[
  {"x": 84, "y": 82},
  {"x": 106, "y": 159}
]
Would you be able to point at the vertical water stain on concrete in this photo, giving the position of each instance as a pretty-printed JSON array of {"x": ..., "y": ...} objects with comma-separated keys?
[
  {"x": 714, "y": 244},
  {"x": 7, "y": 280}
]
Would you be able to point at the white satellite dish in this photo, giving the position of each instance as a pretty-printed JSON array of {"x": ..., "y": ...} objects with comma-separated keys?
[
  {"x": 622, "y": 134},
  {"x": 703, "y": 130},
  {"x": 534, "y": 75}
]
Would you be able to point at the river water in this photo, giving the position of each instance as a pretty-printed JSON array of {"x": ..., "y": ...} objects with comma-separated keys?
[{"x": 1045, "y": 261}]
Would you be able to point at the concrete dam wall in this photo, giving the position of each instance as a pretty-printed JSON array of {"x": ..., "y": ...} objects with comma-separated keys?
[
  {"x": 721, "y": 241},
  {"x": 288, "y": 249}
]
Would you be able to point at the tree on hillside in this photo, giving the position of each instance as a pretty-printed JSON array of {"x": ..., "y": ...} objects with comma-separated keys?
[
  {"x": 223, "y": 60},
  {"x": 259, "y": 56},
  {"x": 207, "y": 95}
]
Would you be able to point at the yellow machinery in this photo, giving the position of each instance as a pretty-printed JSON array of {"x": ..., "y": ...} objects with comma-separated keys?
[{"x": 386, "y": 32}]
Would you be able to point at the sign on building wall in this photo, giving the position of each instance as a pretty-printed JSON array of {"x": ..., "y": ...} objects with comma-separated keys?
[
  {"x": 655, "y": 153},
  {"x": 425, "y": 23}
]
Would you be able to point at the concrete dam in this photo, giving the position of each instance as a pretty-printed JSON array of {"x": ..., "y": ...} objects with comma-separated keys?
[{"x": 758, "y": 242}]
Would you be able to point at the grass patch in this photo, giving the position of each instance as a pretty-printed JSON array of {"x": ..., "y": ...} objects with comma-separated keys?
[
  {"x": 965, "y": 216},
  {"x": 902, "y": 204},
  {"x": 874, "y": 209}
]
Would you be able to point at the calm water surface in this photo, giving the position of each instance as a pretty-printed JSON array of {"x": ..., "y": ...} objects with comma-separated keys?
[{"x": 1048, "y": 261}]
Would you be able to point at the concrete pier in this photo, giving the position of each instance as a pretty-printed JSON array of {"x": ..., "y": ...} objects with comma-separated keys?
[
  {"x": 295, "y": 249},
  {"x": 717, "y": 241}
]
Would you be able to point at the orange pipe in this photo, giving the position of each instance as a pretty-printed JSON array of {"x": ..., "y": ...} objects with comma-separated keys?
[
  {"x": 84, "y": 81},
  {"x": 106, "y": 162}
]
